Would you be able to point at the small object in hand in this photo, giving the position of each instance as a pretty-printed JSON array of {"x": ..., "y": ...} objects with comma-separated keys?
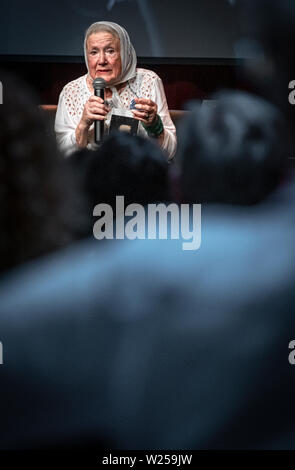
[{"x": 132, "y": 104}]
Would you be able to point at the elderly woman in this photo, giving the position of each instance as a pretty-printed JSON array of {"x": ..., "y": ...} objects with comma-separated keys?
[{"x": 110, "y": 55}]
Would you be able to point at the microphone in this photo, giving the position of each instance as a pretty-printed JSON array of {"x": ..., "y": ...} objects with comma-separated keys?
[{"x": 99, "y": 85}]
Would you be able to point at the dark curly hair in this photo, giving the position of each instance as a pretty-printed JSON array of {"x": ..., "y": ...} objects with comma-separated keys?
[
  {"x": 125, "y": 165},
  {"x": 234, "y": 152},
  {"x": 36, "y": 207}
]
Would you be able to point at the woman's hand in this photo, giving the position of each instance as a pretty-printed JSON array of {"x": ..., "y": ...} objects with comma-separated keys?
[
  {"x": 145, "y": 111},
  {"x": 94, "y": 110}
]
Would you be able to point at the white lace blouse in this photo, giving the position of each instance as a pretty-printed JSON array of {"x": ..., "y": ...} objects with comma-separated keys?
[{"x": 146, "y": 84}]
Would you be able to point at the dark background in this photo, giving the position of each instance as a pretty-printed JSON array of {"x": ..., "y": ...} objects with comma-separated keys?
[
  {"x": 158, "y": 28},
  {"x": 191, "y": 44}
]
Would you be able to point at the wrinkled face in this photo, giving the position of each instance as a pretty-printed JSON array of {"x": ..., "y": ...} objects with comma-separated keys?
[{"x": 103, "y": 55}]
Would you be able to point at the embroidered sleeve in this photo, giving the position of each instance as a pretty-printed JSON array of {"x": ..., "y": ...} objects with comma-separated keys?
[{"x": 69, "y": 111}]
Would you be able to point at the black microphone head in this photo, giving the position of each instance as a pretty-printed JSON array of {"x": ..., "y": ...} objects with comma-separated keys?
[{"x": 99, "y": 83}]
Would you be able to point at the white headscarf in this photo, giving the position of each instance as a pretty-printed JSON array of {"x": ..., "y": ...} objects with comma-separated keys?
[{"x": 128, "y": 55}]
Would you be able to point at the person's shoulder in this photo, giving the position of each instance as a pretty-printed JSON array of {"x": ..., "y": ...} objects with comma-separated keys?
[
  {"x": 147, "y": 74},
  {"x": 75, "y": 86}
]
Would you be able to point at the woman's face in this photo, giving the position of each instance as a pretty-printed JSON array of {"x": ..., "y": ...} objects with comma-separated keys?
[{"x": 103, "y": 55}]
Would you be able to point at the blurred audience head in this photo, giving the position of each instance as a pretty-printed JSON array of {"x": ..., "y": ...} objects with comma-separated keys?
[
  {"x": 125, "y": 165},
  {"x": 231, "y": 152},
  {"x": 269, "y": 25},
  {"x": 36, "y": 213}
]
